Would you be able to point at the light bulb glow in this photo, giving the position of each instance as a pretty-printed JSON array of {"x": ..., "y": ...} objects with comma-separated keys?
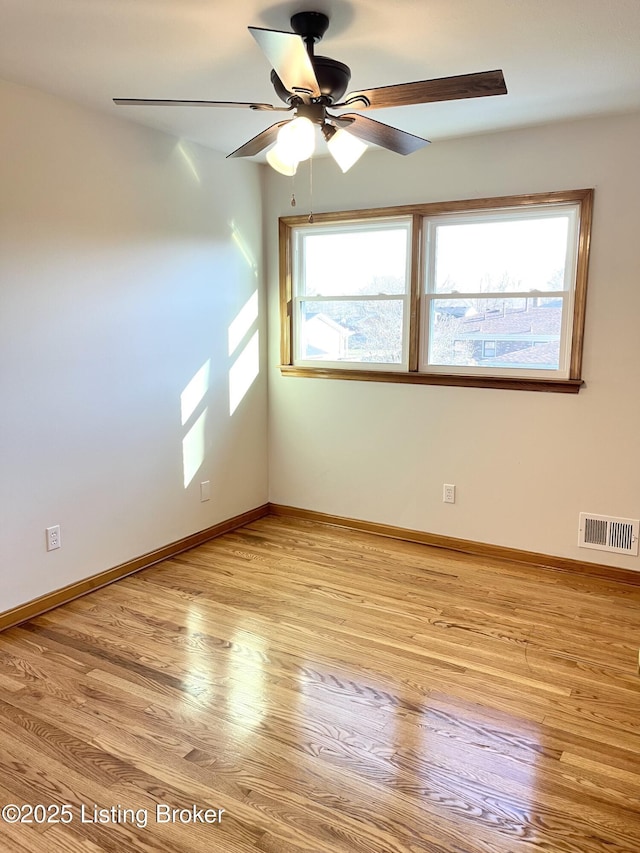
[
  {"x": 278, "y": 160},
  {"x": 296, "y": 140},
  {"x": 345, "y": 149}
]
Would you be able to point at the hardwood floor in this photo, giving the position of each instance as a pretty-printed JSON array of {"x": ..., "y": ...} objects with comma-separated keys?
[{"x": 332, "y": 691}]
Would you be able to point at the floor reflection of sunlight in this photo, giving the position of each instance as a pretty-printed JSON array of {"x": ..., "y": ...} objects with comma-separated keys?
[
  {"x": 193, "y": 448},
  {"x": 243, "y": 321},
  {"x": 243, "y": 372},
  {"x": 200, "y": 660},
  {"x": 245, "y": 667},
  {"x": 463, "y": 751},
  {"x": 195, "y": 391}
]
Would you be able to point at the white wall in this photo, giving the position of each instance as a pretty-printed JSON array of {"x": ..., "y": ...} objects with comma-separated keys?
[
  {"x": 119, "y": 278},
  {"x": 525, "y": 463}
]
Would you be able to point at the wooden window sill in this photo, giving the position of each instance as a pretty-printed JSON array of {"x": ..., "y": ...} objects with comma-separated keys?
[{"x": 512, "y": 383}]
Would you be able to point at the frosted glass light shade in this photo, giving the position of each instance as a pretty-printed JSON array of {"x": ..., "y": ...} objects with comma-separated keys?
[
  {"x": 345, "y": 149},
  {"x": 277, "y": 159},
  {"x": 296, "y": 140}
]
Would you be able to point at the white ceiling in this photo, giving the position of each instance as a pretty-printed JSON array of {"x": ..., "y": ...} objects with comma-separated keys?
[{"x": 561, "y": 58}]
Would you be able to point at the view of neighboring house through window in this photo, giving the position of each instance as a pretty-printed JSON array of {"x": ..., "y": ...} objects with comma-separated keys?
[
  {"x": 351, "y": 294},
  {"x": 478, "y": 290},
  {"x": 499, "y": 291}
]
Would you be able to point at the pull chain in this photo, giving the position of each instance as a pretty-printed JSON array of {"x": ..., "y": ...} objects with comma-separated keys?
[{"x": 293, "y": 190}]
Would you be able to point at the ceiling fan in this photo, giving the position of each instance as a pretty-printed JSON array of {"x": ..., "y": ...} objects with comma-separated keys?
[{"x": 310, "y": 85}]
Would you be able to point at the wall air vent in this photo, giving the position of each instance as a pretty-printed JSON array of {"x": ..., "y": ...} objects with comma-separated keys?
[{"x": 605, "y": 533}]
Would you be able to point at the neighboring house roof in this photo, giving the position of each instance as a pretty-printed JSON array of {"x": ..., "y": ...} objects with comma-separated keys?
[
  {"x": 546, "y": 353},
  {"x": 324, "y": 318},
  {"x": 531, "y": 335},
  {"x": 534, "y": 321}
]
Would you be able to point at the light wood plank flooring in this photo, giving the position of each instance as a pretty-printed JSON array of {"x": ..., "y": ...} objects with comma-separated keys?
[{"x": 333, "y": 692}]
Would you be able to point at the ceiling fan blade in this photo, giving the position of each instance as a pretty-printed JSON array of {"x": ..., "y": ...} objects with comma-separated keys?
[
  {"x": 381, "y": 134},
  {"x": 289, "y": 58},
  {"x": 163, "y": 102},
  {"x": 427, "y": 91},
  {"x": 258, "y": 143}
]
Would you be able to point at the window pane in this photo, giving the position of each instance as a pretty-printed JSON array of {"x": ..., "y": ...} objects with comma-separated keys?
[
  {"x": 355, "y": 262},
  {"x": 362, "y": 331},
  {"x": 508, "y": 333},
  {"x": 487, "y": 257}
]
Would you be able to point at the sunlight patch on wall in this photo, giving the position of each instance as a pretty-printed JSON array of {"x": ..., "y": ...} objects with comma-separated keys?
[
  {"x": 242, "y": 245},
  {"x": 195, "y": 391},
  {"x": 193, "y": 448},
  {"x": 243, "y": 322},
  {"x": 180, "y": 148},
  {"x": 243, "y": 372}
]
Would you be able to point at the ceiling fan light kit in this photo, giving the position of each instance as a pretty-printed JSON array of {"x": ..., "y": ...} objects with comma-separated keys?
[
  {"x": 297, "y": 139},
  {"x": 295, "y": 142},
  {"x": 310, "y": 85},
  {"x": 345, "y": 149},
  {"x": 277, "y": 162}
]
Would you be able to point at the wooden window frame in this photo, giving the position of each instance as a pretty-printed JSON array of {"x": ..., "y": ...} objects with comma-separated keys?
[{"x": 570, "y": 385}]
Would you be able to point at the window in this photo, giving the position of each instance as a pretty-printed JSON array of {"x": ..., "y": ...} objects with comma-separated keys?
[
  {"x": 499, "y": 291},
  {"x": 487, "y": 292},
  {"x": 350, "y": 305}
]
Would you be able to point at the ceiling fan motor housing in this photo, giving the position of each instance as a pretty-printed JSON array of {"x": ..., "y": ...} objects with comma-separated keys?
[{"x": 333, "y": 79}]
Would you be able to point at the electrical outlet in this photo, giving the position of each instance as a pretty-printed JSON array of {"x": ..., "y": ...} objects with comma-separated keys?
[
  {"x": 53, "y": 537},
  {"x": 448, "y": 493},
  {"x": 205, "y": 490}
]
